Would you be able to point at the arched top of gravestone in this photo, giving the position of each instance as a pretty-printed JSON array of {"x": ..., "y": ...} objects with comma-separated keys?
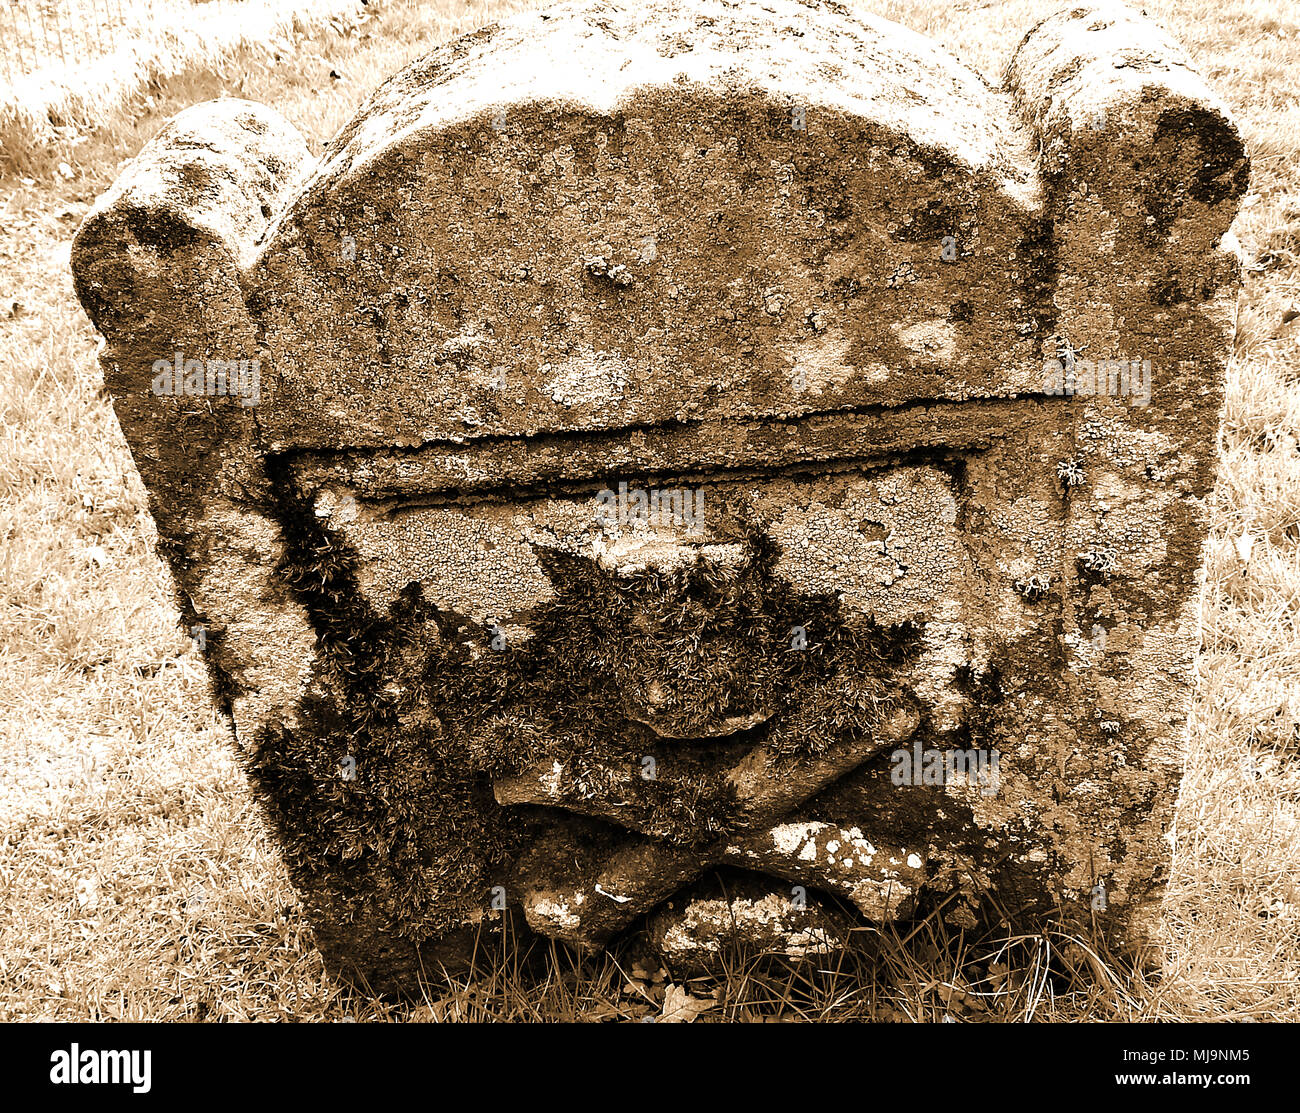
[
  {"x": 598, "y": 57},
  {"x": 599, "y": 217},
  {"x": 602, "y": 216}
]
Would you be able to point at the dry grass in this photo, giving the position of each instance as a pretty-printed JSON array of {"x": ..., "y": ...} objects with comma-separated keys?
[
  {"x": 35, "y": 34},
  {"x": 136, "y": 879},
  {"x": 48, "y": 109}
]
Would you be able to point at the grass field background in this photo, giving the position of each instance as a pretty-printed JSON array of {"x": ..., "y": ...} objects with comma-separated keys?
[
  {"x": 136, "y": 878},
  {"x": 69, "y": 66}
]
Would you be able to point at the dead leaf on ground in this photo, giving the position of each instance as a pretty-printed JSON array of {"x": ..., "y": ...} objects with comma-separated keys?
[{"x": 681, "y": 1008}]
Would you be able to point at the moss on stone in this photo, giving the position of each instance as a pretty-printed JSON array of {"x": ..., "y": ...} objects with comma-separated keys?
[{"x": 431, "y": 714}]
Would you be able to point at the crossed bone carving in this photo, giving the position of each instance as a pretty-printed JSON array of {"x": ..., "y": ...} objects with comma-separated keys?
[{"x": 613, "y": 891}]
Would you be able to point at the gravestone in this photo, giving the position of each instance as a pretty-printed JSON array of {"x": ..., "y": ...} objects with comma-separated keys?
[{"x": 719, "y": 466}]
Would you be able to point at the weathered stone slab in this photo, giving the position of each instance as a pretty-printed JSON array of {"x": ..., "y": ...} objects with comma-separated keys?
[{"x": 693, "y": 436}]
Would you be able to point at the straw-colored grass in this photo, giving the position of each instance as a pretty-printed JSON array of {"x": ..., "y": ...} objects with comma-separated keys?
[{"x": 45, "y": 111}]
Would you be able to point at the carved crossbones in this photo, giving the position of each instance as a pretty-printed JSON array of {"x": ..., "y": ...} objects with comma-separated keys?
[{"x": 614, "y": 890}]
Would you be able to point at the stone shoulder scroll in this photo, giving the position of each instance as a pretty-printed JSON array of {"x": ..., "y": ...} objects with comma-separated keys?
[
  {"x": 160, "y": 266},
  {"x": 721, "y": 467}
]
